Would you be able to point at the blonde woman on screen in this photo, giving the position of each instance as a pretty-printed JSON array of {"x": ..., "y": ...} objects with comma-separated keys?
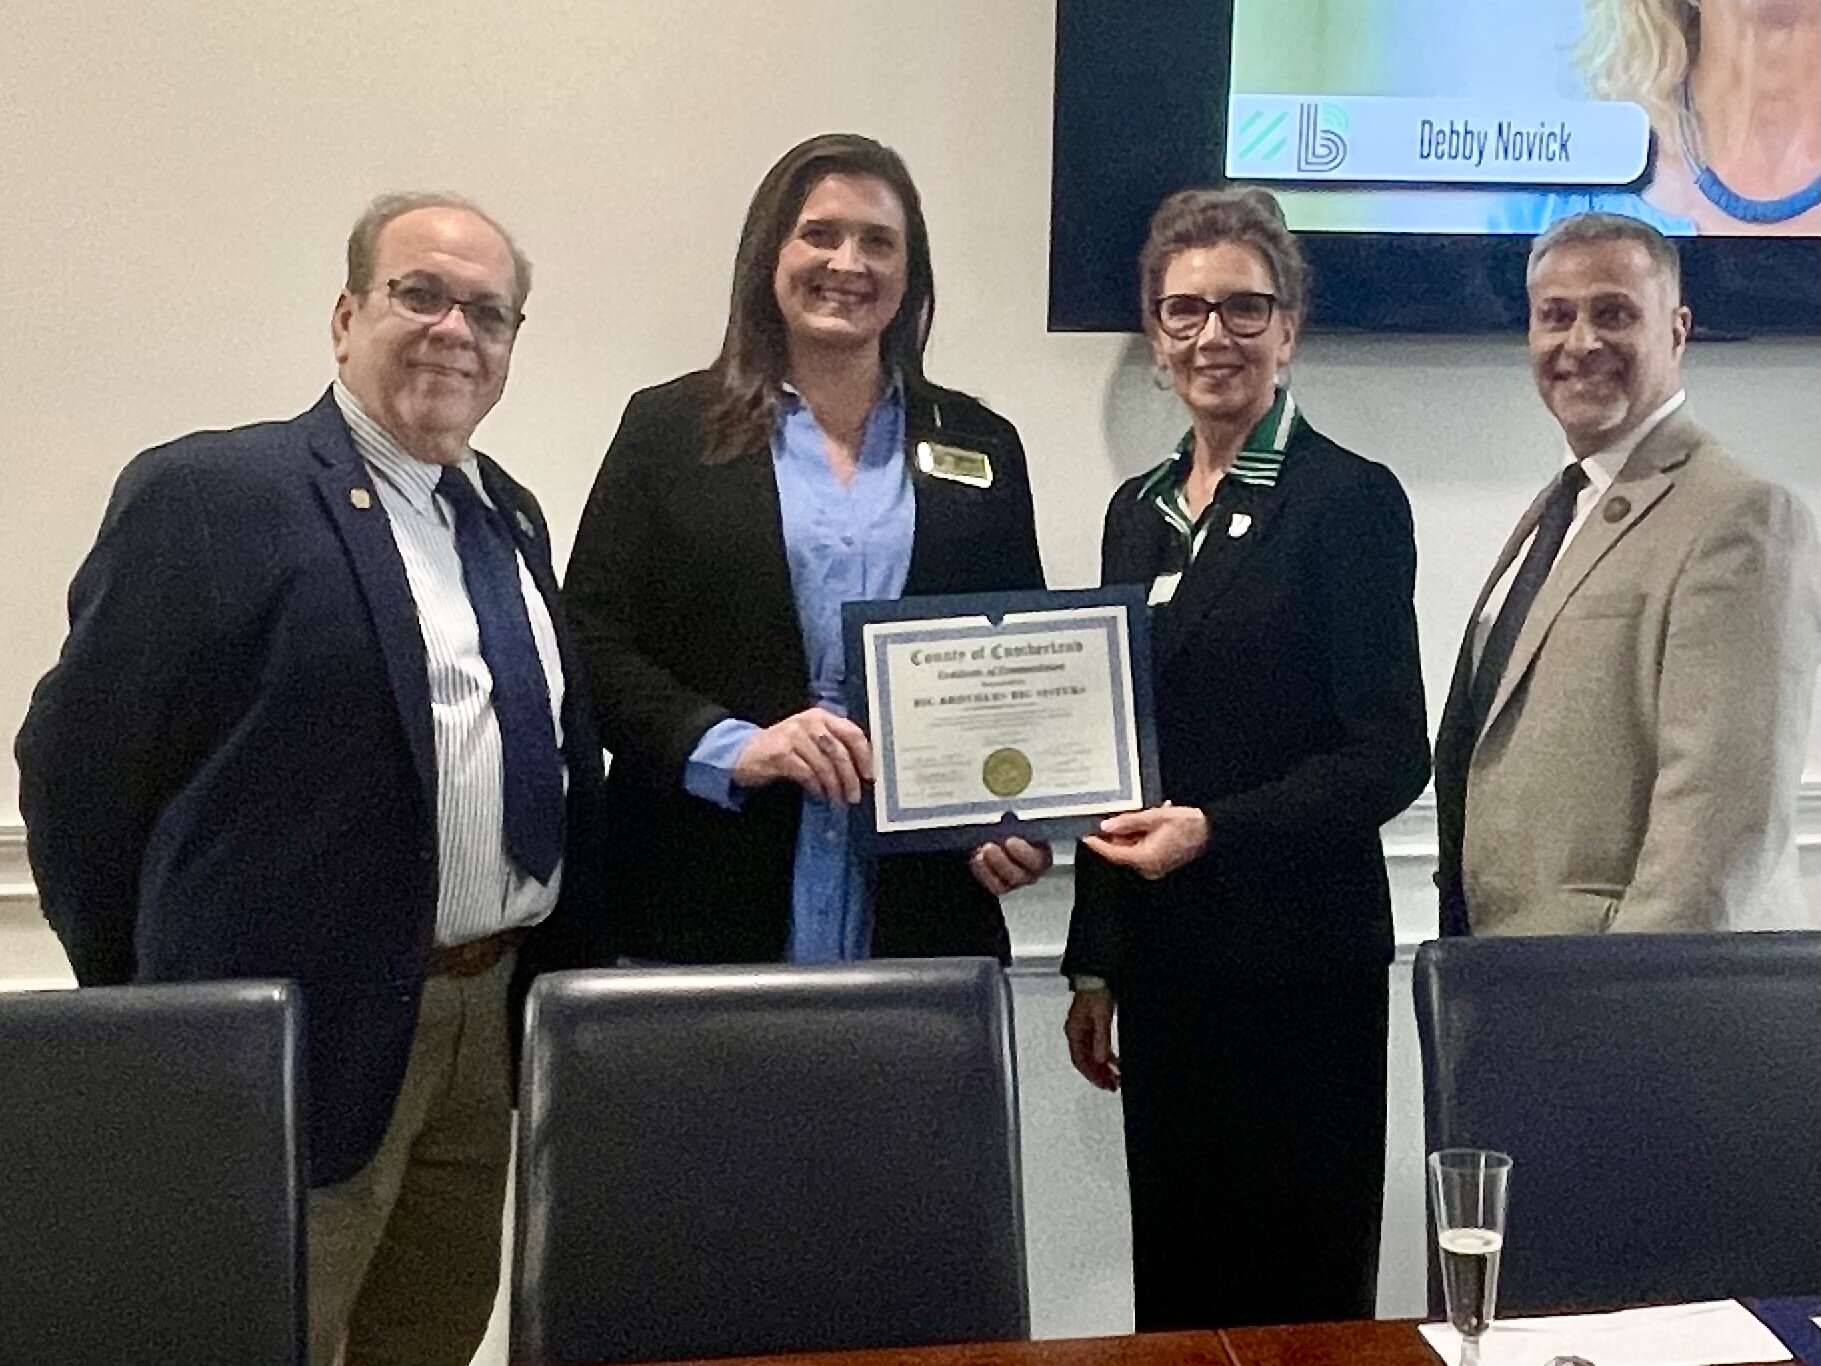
[{"x": 1732, "y": 88}]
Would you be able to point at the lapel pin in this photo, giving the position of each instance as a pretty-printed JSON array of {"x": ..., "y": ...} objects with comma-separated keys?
[
  {"x": 1239, "y": 526},
  {"x": 360, "y": 498},
  {"x": 524, "y": 524},
  {"x": 1617, "y": 509},
  {"x": 1163, "y": 588}
]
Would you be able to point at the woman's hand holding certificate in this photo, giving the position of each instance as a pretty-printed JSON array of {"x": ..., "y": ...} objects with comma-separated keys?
[
  {"x": 824, "y": 754},
  {"x": 1153, "y": 843}
]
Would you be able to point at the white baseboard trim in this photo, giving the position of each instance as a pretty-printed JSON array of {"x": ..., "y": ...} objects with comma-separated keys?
[{"x": 16, "y": 885}]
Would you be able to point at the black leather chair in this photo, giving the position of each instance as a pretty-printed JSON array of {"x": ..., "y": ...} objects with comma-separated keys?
[
  {"x": 1660, "y": 1096},
  {"x": 721, "y": 1161},
  {"x": 151, "y": 1175}
]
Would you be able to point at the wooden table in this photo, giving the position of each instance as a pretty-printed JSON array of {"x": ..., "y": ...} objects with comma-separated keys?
[
  {"x": 1370, "y": 1343},
  {"x": 1150, "y": 1349},
  {"x": 1381, "y": 1343}
]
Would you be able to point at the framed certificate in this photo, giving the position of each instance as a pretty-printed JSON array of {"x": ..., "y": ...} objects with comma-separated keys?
[{"x": 1001, "y": 714}]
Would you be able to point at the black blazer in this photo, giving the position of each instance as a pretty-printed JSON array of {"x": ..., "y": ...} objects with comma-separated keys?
[
  {"x": 1289, "y": 704},
  {"x": 231, "y": 770},
  {"x": 680, "y": 593}
]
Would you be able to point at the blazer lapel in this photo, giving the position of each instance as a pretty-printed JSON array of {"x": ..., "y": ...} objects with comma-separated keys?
[
  {"x": 1462, "y": 681},
  {"x": 1515, "y": 542},
  {"x": 740, "y": 499},
  {"x": 942, "y": 503},
  {"x": 533, "y": 547},
  {"x": 1136, "y": 545},
  {"x": 346, "y": 489},
  {"x": 1455, "y": 737},
  {"x": 531, "y": 536},
  {"x": 1646, "y": 477},
  {"x": 1209, "y": 578}
]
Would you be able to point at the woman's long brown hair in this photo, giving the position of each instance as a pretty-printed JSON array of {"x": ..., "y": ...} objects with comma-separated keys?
[{"x": 755, "y": 352}]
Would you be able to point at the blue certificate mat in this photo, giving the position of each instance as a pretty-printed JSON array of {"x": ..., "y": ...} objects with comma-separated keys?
[{"x": 1001, "y": 714}]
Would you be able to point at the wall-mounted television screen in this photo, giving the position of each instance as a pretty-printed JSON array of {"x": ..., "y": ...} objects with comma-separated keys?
[{"x": 1418, "y": 145}]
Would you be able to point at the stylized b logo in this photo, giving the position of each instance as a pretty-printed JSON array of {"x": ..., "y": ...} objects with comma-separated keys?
[{"x": 1319, "y": 145}]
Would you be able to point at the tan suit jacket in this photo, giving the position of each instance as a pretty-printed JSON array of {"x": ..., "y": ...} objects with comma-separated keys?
[{"x": 1639, "y": 766}]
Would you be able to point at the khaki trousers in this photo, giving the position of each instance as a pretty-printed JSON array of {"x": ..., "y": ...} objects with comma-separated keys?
[{"x": 405, "y": 1255}]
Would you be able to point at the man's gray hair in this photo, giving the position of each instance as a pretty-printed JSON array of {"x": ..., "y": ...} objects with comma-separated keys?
[
  {"x": 363, "y": 240},
  {"x": 1587, "y": 229}
]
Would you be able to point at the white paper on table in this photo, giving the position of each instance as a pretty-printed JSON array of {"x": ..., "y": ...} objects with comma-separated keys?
[{"x": 1712, "y": 1334}]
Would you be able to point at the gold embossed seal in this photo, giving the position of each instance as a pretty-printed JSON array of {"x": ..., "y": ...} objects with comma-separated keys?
[{"x": 1006, "y": 772}]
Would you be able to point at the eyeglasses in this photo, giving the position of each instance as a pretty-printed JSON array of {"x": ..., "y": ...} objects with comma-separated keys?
[
  {"x": 1244, "y": 313},
  {"x": 426, "y": 300}
]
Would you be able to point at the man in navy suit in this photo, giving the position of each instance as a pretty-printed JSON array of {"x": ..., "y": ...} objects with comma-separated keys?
[{"x": 317, "y": 718}]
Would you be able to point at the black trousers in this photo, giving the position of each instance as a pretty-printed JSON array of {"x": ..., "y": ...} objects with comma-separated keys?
[{"x": 1255, "y": 1145}]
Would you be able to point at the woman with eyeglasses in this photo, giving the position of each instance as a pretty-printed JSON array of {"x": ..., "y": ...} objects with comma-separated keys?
[
  {"x": 736, "y": 510},
  {"x": 1242, "y": 929}
]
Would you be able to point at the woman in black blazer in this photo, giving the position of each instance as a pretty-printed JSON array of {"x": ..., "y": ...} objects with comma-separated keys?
[
  {"x": 734, "y": 511},
  {"x": 1242, "y": 929}
]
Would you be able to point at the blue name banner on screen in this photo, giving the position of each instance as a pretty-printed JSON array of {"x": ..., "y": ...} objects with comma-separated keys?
[{"x": 1371, "y": 138}]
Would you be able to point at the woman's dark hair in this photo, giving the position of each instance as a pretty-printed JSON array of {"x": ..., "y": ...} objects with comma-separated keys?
[
  {"x": 1205, "y": 218},
  {"x": 754, "y": 351}
]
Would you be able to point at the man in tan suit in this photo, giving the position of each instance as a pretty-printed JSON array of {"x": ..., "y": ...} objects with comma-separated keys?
[{"x": 1626, "y": 727}]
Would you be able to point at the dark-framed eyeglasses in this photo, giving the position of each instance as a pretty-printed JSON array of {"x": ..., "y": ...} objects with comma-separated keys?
[
  {"x": 1244, "y": 313},
  {"x": 426, "y": 300}
]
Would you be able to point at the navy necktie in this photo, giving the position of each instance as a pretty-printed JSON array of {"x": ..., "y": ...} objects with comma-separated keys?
[
  {"x": 1545, "y": 545},
  {"x": 521, "y": 695}
]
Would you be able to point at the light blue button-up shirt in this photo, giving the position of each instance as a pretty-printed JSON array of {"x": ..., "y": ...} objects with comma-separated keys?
[{"x": 845, "y": 542}]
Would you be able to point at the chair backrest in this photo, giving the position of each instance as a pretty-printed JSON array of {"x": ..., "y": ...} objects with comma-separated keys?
[
  {"x": 151, "y": 1174},
  {"x": 722, "y": 1161},
  {"x": 1660, "y": 1096}
]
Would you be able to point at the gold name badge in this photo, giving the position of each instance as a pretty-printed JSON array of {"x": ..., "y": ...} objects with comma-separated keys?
[{"x": 956, "y": 463}]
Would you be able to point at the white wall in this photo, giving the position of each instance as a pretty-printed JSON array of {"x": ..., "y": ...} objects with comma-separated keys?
[{"x": 180, "y": 176}]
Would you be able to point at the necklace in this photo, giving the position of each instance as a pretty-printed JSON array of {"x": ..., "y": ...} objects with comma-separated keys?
[{"x": 1721, "y": 195}]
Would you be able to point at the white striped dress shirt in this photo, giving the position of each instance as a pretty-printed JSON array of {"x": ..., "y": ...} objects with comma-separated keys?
[{"x": 480, "y": 891}]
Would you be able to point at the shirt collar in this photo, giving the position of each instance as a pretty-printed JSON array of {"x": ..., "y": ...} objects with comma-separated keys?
[
  {"x": 414, "y": 479},
  {"x": 882, "y": 436},
  {"x": 1261, "y": 454},
  {"x": 1603, "y": 466},
  {"x": 894, "y": 390}
]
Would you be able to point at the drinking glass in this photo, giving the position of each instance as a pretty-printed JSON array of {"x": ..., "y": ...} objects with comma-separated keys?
[{"x": 1467, "y": 1194}]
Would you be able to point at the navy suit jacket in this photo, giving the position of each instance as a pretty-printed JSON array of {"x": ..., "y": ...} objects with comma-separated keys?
[{"x": 230, "y": 771}]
